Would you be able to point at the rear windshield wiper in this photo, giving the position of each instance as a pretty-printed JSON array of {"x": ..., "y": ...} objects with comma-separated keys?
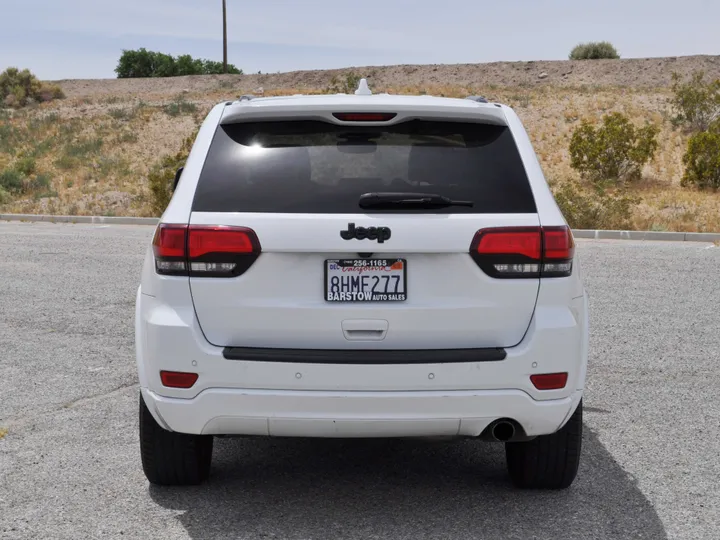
[{"x": 408, "y": 200}]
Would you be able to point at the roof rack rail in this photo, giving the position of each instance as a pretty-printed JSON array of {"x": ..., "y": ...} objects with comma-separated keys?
[
  {"x": 479, "y": 99},
  {"x": 246, "y": 97}
]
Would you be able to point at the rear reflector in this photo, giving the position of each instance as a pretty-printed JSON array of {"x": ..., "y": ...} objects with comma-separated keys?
[
  {"x": 204, "y": 251},
  {"x": 549, "y": 381},
  {"x": 365, "y": 117},
  {"x": 177, "y": 379},
  {"x": 524, "y": 252}
]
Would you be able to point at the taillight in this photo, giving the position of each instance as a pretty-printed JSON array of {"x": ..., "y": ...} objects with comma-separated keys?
[
  {"x": 558, "y": 252},
  {"x": 524, "y": 252},
  {"x": 169, "y": 245},
  {"x": 204, "y": 251}
]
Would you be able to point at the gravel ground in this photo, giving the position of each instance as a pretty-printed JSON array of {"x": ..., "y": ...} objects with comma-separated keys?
[{"x": 69, "y": 463}]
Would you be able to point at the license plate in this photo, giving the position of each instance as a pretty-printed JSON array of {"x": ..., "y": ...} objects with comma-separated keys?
[{"x": 365, "y": 280}]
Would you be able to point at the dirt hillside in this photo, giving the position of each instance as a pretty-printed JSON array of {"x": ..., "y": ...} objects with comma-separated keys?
[
  {"x": 635, "y": 73},
  {"x": 96, "y": 151}
]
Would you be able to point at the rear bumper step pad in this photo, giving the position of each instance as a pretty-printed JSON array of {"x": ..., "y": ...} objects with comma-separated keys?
[{"x": 369, "y": 356}]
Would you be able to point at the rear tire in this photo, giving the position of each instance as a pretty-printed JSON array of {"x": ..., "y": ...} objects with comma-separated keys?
[
  {"x": 548, "y": 461},
  {"x": 172, "y": 459}
]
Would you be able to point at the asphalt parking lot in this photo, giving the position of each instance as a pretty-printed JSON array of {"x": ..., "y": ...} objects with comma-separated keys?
[{"x": 69, "y": 460}]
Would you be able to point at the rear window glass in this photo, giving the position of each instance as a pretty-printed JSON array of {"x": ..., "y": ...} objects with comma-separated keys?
[{"x": 317, "y": 167}]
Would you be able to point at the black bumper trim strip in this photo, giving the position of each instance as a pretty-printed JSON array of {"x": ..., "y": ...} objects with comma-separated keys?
[{"x": 365, "y": 356}]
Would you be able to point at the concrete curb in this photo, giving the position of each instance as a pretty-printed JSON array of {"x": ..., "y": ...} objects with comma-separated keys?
[
  {"x": 647, "y": 235},
  {"x": 80, "y": 219},
  {"x": 579, "y": 233}
]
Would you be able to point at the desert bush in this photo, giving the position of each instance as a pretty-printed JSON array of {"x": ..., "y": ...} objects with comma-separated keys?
[
  {"x": 41, "y": 182},
  {"x": 615, "y": 151},
  {"x": 21, "y": 88},
  {"x": 4, "y": 196},
  {"x": 695, "y": 103},
  {"x": 161, "y": 177},
  {"x": 121, "y": 114},
  {"x": 178, "y": 107},
  {"x": 595, "y": 50},
  {"x": 9, "y": 137},
  {"x": 702, "y": 159},
  {"x": 83, "y": 147},
  {"x": 344, "y": 85},
  {"x": 66, "y": 163},
  {"x": 11, "y": 181},
  {"x": 15, "y": 181},
  {"x": 26, "y": 165},
  {"x": 127, "y": 137},
  {"x": 143, "y": 63},
  {"x": 595, "y": 207}
]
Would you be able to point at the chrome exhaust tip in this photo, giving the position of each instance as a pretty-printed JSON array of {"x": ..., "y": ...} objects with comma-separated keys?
[{"x": 503, "y": 431}]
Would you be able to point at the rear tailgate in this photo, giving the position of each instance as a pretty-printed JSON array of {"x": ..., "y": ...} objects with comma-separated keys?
[
  {"x": 296, "y": 185},
  {"x": 281, "y": 300}
]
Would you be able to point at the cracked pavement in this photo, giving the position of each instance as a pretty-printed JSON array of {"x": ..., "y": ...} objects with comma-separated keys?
[{"x": 69, "y": 458}]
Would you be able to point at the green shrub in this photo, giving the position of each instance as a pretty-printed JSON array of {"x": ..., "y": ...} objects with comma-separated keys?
[
  {"x": 127, "y": 137},
  {"x": 595, "y": 50},
  {"x": 9, "y": 137},
  {"x": 83, "y": 147},
  {"x": 162, "y": 175},
  {"x": 695, "y": 103},
  {"x": 595, "y": 207},
  {"x": 21, "y": 88},
  {"x": 187, "y": 65},
  {"x": 21, "y": 179},
  {"x": 45, "y": 195},
  {"x": 66, "y": 162},
  {"x": 4, "y": 196},
  {"x": 41, "y": 182},
  {"x": 344, "y": 85},
  {"x": 26, "y": 166},
  {"x": 143, "y": 63},
  {"x": 11, "y": 181},
  {"x": 178, "y": 107},
  {"x": 615, "y": 151},
  {"x": 120, "y": 114},
  {"x": 702, "y": 159},
  {"x": 211, "y": 67}
]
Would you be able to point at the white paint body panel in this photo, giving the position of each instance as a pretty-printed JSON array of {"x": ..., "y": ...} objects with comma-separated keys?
[
  {"x": 451, "y": 302},
  {"x": 542, "y": 323}
]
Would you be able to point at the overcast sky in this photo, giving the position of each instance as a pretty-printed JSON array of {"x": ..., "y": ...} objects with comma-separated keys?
[{"x": 60, "y": 39}]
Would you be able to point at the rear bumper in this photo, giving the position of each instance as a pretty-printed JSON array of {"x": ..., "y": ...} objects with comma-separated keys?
[
  {"x": 356, "y": 414},
  {"x": 285, "y": 398}
]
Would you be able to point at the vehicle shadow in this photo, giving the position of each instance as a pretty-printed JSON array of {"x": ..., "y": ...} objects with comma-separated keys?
[{"x": 333, "y": 489}]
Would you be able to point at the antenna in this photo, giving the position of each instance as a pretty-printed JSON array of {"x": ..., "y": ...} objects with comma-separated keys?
[{"x": 363, "y": 89}]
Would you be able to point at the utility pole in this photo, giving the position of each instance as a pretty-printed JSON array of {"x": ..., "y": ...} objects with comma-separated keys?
[{"x": 225, "y": 62}]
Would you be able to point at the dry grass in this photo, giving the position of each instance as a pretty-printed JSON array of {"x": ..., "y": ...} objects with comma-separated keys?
[
  {"x": 98, "y": 150},
  {"x": 97, "y": 155}
]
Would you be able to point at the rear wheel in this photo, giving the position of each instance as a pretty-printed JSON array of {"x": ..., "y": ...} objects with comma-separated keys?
[
  {"x": 548, "y": 461},
  {"x": 172, "y": 459}
]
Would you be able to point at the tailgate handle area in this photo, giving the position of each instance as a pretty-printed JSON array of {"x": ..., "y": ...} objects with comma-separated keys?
[{"x": 365, "y": 329}]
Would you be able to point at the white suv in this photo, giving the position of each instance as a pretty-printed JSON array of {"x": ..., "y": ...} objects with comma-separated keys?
[{"x": 362, "y": 266}]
